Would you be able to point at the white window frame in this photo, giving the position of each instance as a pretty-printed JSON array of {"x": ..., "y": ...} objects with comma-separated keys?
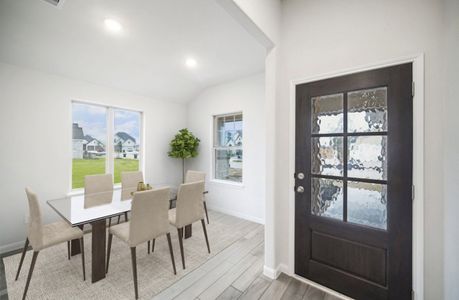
[
  {"x": 110, "y": 151},
  {"x": 216, "y": 147}
]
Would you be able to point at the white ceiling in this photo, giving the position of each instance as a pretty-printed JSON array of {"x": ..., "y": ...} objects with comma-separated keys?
[{"x": 146, "y": 58}]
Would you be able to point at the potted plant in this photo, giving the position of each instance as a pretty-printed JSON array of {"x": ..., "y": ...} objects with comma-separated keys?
[{"x": 184, "y": 145}]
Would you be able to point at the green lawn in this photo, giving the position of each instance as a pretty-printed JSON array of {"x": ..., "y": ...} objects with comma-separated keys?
[{"x": 83, "y": 167}]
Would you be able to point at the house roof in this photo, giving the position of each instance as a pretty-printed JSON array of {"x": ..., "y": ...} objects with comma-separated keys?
[
  {"x": 77, "y": 132},
  {"x": 88, "y": 138},
  {"x": 124, "y": 136}
]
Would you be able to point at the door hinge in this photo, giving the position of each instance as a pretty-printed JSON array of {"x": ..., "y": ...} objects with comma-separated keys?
[
  {"x": 413, "y": 190},
  {"x": 412, "y": 89}
]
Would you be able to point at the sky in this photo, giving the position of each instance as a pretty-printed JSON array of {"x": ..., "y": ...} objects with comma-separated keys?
[{"x": 93, "y": 120}]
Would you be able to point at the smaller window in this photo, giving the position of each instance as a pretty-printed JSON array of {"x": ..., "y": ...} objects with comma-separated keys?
[{"x": 227, "y": 150}]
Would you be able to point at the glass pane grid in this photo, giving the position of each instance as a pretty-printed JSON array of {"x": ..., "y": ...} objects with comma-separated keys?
[{"x": 349, "y": 157}]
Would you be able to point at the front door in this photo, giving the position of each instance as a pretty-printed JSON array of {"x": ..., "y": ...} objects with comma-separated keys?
[{"x": 353, "y": 183}]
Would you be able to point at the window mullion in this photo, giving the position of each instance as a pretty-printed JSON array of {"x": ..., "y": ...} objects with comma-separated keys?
[{"x": 109, "y": 156}]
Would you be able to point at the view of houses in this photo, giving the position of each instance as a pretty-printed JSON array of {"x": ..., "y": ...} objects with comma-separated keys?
[{"x": 86, "y": 146}]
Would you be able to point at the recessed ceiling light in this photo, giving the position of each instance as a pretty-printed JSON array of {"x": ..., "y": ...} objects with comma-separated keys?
[
  {"x": 112, "y": 25},
  {"x": 191, "y": 62}
]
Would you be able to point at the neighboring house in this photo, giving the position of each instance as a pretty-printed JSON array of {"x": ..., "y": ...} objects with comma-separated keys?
[
  {"x": 234, "y": 140},
  {"x": 93, "y": 145},
  {"x": 78, "y": 141},
  {"x": 124, "y": 142}
]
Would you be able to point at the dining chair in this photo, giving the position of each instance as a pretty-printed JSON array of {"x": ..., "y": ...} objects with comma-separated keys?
[
  {"x": 193, "y": 176},
  {"x": 189, "y": 209},
  {"x": 149, "y": 220},
  {"x": 129, "y": 182},
  {"x": 98, "y": 190},
  {"x": 42, "y": 236}
]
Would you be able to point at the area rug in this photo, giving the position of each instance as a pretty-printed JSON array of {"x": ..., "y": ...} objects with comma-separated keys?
[{"x": 56, "y": 277}]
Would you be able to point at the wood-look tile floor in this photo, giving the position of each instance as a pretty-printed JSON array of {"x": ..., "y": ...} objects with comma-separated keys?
[
  {"x": 234, "y": 273},
  {"x": 237, "y": 273}
]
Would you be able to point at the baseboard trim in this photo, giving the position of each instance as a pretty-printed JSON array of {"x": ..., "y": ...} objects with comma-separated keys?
[
  {"x": 270, "y": 272},
  {"x": 235, "y": 213},
  {"x": 11, "y": 247},
  {"x": 274, "y": 273}
]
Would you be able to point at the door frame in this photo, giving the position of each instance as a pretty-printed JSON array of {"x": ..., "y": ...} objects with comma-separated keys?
[{"x": 418, "y": 165}]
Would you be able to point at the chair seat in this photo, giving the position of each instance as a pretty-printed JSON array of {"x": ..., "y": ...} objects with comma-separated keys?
[
  {"x": 59, "y": 232},
  {"x": 121, "y": 231},
  {"x": 172, "y": 216}
]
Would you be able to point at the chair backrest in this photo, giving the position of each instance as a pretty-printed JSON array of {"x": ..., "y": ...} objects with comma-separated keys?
[
  {"x": 129, "y": 181},
  {"x": 35, "y": 226},
  {"x": 149, "y": 215},
  {"x": 190, "y": 205},
  {"x": 193, "y": 176},
  {"x": 98, "y": 190}
]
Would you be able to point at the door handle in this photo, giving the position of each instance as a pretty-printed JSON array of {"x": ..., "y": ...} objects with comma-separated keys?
[{"x": 300, "y": 189}]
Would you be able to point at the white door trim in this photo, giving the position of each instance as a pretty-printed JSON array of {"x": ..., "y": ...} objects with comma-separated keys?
[{"x": 418, "y": 161}]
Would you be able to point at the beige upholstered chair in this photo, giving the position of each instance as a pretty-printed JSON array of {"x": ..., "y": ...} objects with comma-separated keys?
[
  {"x": 129, "y": 182},
  {"x": 43, "y": 236},
  {"x": 149, "y": 220},
  {"x": 193, "y": 176},
  {"x": 98, "y": 190},
  {"x": 189, "y": 209}
]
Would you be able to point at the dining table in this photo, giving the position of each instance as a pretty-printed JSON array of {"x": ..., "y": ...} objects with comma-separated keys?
[{"x": 73, "y": 210}]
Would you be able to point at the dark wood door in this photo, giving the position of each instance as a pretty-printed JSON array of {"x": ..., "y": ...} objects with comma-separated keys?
[{"x": 353, "y": 182}]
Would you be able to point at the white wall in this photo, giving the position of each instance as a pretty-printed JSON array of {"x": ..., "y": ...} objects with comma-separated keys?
[
  {"x": 319, "y": 37},
  {"x": 246, "y": 95},
  {"x": 35, "y": 119},
  {"x": 451, "y": 153}
]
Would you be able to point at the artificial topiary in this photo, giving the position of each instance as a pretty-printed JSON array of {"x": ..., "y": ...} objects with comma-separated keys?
[{"x": 184, "y": 145}]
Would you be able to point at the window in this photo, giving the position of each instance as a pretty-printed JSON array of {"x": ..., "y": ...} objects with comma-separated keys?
[
  {"x": 93, "y": 126},
  {"x": 228, "y": 150}
]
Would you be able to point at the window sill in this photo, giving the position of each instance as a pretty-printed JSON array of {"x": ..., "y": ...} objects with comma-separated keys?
[
  {"x": 78, "y": 192},
  {"x": 227, "y": 183}
]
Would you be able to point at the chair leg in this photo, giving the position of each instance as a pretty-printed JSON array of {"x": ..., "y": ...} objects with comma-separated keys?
[
  {"x": 82, "y": 257},
  {"x": 32, "y": 265},
  {"x": 153, "y": 246},
  {"x": 180, "y": 239},
  {"x": 205, "y": 209},
  {"x": 171, "y": 251},
  {"x": 22, "y": 257},
  {"x": 119, "y": 218},
  {"x": 68, "y": 249},
  {"x": 134, "y": 271},
  {"x": 109, "y": 250},
  {"x": 205, "y": 233},
  {"x": 148, "y": 247},
  {"x": 110, "y": 222}
]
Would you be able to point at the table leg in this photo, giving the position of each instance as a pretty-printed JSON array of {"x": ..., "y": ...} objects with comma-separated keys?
[
  {"x": 75, "y": 245},
  {"x": 188, "y": 231},
  {"x": 98, "y": 250}
]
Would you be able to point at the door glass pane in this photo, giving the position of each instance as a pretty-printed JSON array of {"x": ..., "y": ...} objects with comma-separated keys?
[
  {"x": 327, "y": 198},
  {"x": 367, "y": 157},
  {"x": 327, "y": 114},
  {"x": 89, "y": 135},
  {"x": 367, "y": 204},
  {"x": 367, "y": 110},
  {"x": 327, "y": 155},
  {"x": 126, "y": 142}
]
